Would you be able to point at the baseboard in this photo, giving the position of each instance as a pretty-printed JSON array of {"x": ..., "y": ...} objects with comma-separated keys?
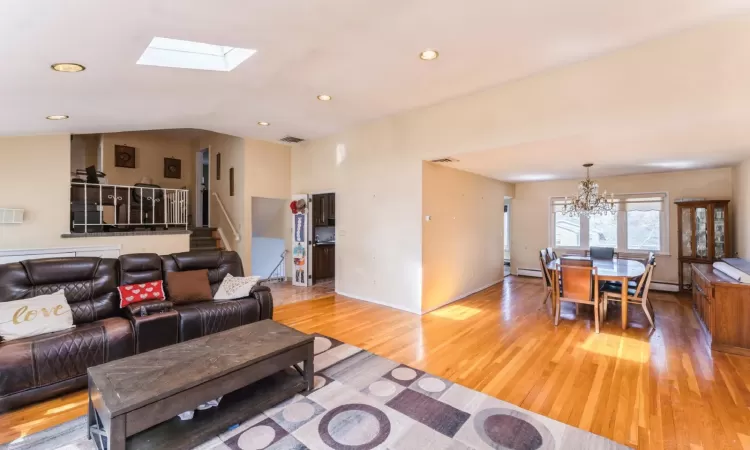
[
  {"x": 661, "y": 286},
  {"x": 377, "y": 302},
  {"x": 462, "y": 296}
]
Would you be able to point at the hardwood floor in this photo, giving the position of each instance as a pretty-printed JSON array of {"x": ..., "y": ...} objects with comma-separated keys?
[
  {"x": 647, "y": 389},
  {"x": 286, "y": 293}
]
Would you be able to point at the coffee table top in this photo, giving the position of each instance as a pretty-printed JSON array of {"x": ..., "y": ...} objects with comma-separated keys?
[{"x": 130, "y": 383}]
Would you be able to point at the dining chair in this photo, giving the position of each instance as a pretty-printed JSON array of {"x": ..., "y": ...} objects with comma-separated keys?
[
  {"x": 579, "y": 287},
  {"x": 546, "y": 277},
  {"x": 636, "y": 295},
  {"x": 649, "y": 261},
  {"x": 576, "y": 262},
  {"x": 551, "y": 253},
  {"x": 602, "y": 252}
]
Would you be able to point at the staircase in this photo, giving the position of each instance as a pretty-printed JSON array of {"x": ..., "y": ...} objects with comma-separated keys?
[{"x": 205, "y": 238}]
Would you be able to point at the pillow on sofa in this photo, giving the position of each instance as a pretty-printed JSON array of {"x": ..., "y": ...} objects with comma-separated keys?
[
  {"x": 235, "y": 287},
  {"x": 134, "y": 293},
  {"x": 189, "y": 286},
  {"x": 35, "y": 316}
]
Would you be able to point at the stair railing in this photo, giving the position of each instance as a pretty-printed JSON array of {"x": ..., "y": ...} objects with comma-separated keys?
[
  {"x": 279, "y": 272},
  {"x": 228, "y": 219}
]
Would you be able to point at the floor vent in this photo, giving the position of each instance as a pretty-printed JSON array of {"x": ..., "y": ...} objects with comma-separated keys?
[
  {"x": 291, "y": 139},
  {"x": 445, "y": 160}
]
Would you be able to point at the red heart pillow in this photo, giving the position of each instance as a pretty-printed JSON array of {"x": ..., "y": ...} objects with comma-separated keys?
[{"x": 144, "y": 292}]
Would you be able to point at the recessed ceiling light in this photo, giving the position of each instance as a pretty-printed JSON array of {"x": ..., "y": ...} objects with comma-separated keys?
[
  {"x": 429, "y": 55},
  {"x": 57, "y": 117},
  {"x": 324, "y": 97},
  {"x": 68, "y": 67},
  {"x": 264, "y": 124}
]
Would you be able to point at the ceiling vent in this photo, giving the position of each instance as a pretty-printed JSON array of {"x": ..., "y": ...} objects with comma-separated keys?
[
  {"x": 291, "y": 139},
  {"x": 445, "y": 160}
]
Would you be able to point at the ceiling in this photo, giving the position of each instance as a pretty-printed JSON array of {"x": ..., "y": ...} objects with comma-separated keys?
[{"x": 362, "y": 52}]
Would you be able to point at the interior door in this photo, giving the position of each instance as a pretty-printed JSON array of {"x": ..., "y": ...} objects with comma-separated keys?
[{"x": 300, "y": 243}]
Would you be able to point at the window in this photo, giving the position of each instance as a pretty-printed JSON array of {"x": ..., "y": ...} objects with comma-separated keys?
[{"x": 638, "y": 225}]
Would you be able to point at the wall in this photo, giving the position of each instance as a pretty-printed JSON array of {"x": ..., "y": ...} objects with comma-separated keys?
[
  {"x": 741, "y": 208},
  {"x": 462, "y": 244},
  {"x": 37, "y": 169},
  {"x": 672, "y": 83},
  {"x": 270, "y": 233},
  {"x": 530, "y": 218}
]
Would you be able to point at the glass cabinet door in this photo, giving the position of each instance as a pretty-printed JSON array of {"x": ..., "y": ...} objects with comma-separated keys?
[
  {"x": 701, "y": 232},
  {"x": 686, "y": 240},
  {"x": 719, "y": 232}
]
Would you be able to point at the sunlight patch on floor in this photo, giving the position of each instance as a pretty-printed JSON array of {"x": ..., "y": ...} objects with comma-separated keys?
[
  {"x": 456, "y": 312},
  {"x": 627, "y": 348}
]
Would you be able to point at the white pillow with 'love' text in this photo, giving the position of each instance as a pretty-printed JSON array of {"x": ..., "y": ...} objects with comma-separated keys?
[{"x": 35, "y": 316}]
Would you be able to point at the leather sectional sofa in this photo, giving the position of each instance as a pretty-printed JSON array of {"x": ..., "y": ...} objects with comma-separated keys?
[{"x": 45, "y": 366}]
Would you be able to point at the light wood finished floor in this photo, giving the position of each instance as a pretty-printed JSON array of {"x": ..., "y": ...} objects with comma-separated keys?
[
  {"x": 286, "y": 294},
  {"x": 659, "y": 389}
]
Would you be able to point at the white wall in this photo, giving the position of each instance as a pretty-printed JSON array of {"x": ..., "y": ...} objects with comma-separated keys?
[
  {"x": 35, "y": 175},
  {"x": 266, "y": 254},
  {"x": 531, "y": 213},
  {"x": 462, "y": 243},
  {"x": 740, "y": 209}
]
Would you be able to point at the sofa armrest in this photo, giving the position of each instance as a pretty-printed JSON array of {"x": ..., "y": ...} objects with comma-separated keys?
[
  {"x": 263, "y": 295},
  {"x": 156, "y": 328},
  {"x": 147, "y": 308}
]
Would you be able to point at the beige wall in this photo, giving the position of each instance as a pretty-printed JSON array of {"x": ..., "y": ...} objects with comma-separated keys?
[
  {"x": 741, "y": 209},
  {"x": 462, "y": 243},
  {"x": 35, "y": 174},
  {"x": 530, "y": 216}
]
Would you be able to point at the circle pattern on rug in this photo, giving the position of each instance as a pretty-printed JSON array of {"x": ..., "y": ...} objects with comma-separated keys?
[
  {"x": 430, "y": 384},
  {"x": 382, "y": 388},
  {"x": 298, "y": 412},
  {"x": 319, "y": 382},
  {"x": 321, "y": 344},
  {"x": 512, "y": 429},
  {"x": 354, "y": 427},
  {"x": 404, "y": 373},
  {"x": 256, "y": 438}
]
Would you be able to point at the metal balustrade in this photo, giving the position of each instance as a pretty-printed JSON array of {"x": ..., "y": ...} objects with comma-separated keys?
[{"x": 134, "y": 207}]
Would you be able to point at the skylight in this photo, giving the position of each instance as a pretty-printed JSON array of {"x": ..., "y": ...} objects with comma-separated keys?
[{"x": 165, "y": 52}]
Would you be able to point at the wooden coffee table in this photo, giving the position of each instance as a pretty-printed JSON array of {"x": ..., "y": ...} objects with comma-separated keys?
[{"x": 133, "y": 402}]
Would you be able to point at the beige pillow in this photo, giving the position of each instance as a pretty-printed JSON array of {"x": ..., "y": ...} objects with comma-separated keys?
[
  {"x": 35, "y": 316},
  {"x": 232, "y": 287}
]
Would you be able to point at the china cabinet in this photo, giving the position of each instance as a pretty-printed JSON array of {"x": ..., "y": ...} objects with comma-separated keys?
[{"x": 703, "y": 229}]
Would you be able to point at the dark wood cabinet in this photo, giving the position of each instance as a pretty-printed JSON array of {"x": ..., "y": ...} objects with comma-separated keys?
[
  {"x": 703, "y": 233},
  {"x": 331, "y": 212},
  {"x": 324, "y": 262},
  {"x": 320, "y": 210}
]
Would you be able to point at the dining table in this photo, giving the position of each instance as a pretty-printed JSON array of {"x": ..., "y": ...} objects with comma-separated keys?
[{"x": 617, "y": 269}]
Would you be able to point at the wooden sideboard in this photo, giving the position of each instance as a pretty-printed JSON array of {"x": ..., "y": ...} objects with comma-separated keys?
[{"x": 723, "y": 306}]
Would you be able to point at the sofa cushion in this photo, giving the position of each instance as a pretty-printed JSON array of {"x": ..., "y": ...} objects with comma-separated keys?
[
  {"x": 201, "y": 319},
  {"x": 143, "y": 292},
  {"x": 189, "y": 286},
  {"x": 34, "y": 316},
  {"x": 89, "y": 284},
  {"x": 42, "y": 360},
  {"x": 235, "y": 287},
  {"x": 219, "y": 263}
]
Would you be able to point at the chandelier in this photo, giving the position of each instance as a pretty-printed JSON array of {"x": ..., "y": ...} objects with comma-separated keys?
[{"x": 588, "y": 201}]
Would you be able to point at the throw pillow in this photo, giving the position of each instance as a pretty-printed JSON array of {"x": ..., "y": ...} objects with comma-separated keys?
[
  {"x": 189, "y": 286},
  {"x": 235, "y": 287},
  {"x": 134, "y": 293},
  {"x": 35, "y": 316}
]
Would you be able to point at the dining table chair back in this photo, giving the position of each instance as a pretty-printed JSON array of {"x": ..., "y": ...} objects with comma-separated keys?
[
  {"x": 551, "y": 253},
  {"x": 602, "y": 252},
  {"x": 580, "y": 286},
  {"x": 636, "y": 295},
  {"x": 579, "y": 261},
  {"x": 546, "y": 277}
]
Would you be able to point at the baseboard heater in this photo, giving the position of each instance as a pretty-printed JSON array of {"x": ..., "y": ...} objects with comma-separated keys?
[{"x": 662, "y": 286}]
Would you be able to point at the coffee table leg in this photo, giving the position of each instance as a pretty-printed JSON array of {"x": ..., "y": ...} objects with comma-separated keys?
[
  {"x": 92, "y": 414},
  {"x": 309, "y": 368},
  {"x": 116, "y": 433}
]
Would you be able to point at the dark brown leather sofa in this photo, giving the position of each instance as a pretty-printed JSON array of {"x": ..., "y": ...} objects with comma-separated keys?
[{"x": 45, "y": 366}]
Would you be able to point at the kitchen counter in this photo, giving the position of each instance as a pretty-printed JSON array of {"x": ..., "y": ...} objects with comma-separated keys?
[{"x": 326, "y": 243}]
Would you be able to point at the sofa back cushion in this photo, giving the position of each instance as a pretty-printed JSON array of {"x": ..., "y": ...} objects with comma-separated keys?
[
  {"x": 219, "y": 263},
  {"x": 138, "y": 268},
  {"x": 90, "y": 284},
  {"x": 34, "y": 316}
]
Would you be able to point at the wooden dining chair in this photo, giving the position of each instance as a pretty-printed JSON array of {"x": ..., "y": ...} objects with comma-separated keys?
[
  {"x": 551, "y": 253},
  {"x": 546, "y": 277},
  {"x": 576, "y": 262},
  {"x": 579, "y": 286},
  {"x": 636, "y": 295}
]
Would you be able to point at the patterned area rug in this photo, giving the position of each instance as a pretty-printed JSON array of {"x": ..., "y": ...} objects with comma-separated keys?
[{"x": 361, "y": 402}]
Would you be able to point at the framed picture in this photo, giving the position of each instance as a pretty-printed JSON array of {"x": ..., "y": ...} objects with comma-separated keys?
[
  {"x": 125, "y": 156},
  {"x": 172, "y": 168},
  {"x": 218, "y": 166},
  {"x": 231, "y": 181}
]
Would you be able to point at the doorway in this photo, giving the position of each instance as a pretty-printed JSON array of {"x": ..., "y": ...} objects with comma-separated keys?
[
  {"x": 202, "y": 188},
  {"x": 506, "y": 236},
  {"x": 323, "y": 224}
]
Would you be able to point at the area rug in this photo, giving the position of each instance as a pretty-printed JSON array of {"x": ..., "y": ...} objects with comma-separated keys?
[{"x": 361, "y": 402}]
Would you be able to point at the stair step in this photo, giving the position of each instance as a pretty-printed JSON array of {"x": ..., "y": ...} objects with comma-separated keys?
[
  {"x": 202, "y": 239},
  {"x": 203, "y": 231}
]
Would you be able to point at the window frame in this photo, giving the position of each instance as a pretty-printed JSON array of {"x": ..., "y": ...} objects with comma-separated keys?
[{"x": 622, "y": 226}]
